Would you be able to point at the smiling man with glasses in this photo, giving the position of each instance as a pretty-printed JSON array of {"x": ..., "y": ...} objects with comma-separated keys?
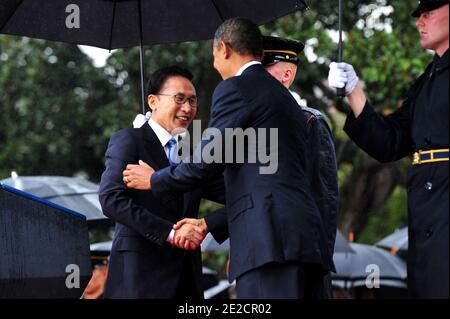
[{"x": 146, "y": 261}]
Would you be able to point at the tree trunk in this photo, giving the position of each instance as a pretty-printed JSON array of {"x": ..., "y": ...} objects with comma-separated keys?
[{"x": 367, "y": 188}]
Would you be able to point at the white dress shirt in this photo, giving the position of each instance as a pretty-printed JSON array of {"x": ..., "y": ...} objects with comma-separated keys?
[
  {"x": 161, "y": 133},
  {"x": 163, "y": 137},
  {"x": 246, "y": 66}
]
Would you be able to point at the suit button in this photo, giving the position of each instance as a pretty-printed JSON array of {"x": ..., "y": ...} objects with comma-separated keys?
[
  {"x": 429, "y": 232},
  {"x": 148, "y": 235},
  {"x": 428, "y": 186}
]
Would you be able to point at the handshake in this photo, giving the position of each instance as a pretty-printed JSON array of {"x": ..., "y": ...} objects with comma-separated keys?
[{"x": 189, "y": 233}]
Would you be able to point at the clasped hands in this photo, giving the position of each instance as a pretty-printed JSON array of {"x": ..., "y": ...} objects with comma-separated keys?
[{"x": 189, "y": 233}]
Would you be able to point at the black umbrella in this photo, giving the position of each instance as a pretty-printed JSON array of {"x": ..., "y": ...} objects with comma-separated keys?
[
  {"x": 397, "y": 241},
  {"x": 340, "y": 91},
  {"x": 351, "y": 269},
  {"x": 112, "y": 24},
  {"x": 76, "y": 194},
  {"x": 341, "y": 244},
  {"x": 210, "y": 244}
]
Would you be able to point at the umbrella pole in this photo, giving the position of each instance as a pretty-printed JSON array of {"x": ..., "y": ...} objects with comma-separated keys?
[
  {"x": 141, "y": 56},
  {"x": 340, "y": 91}
]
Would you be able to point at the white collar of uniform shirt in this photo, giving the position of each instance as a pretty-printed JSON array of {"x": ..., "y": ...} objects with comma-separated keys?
[
  {"x": 246, "y": 66},
  {"x": 300, "y": 101}
]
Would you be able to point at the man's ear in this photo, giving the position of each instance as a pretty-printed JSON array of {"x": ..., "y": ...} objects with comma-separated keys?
[
  {"x": 287, "y": 75},
  {"x": 151, "y": 100},
  {"x": 226, "y": 50}
]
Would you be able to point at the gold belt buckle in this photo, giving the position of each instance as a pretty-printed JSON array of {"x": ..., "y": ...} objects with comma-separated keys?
[{"x": 416, "y": 158}]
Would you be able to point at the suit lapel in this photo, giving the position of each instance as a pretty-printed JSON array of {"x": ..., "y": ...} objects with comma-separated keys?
[
  {"x": 153, "y": 147},
  {"x": 155, "y": 151}
]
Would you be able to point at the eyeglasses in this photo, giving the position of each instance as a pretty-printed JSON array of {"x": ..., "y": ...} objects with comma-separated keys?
[{"x": 181, "y": 99}]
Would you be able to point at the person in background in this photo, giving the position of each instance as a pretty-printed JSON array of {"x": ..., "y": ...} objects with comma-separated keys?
[
  {"x": 419, "y": 129},
  {"x": 281, "y": 60}
]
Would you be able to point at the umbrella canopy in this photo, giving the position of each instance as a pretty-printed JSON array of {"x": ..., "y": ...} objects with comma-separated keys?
[
  {"x": 341, "y": 245},
  {"x": 351, "y": 268},
  {"x": 102, "y": 248},
  {"x": 209, "y": 244},
  {"x": 396, "y": 241},
  {"x": 73, "y": 193},
  {"x": 113, "y": 24}
]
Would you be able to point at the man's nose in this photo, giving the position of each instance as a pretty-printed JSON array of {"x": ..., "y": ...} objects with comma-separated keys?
[
  {"x": 419, "y": 21},
  {"x": 186, "y": 107}
]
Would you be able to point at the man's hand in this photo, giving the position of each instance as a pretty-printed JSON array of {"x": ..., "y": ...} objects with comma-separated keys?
[
  {"x": 138, "y": 176},
  {"x": 189, "y": 233},
  {"x": 342, "y": 74}
]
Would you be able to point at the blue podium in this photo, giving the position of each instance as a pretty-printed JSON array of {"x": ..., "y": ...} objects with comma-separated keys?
[{"x": 44, "y": 248}]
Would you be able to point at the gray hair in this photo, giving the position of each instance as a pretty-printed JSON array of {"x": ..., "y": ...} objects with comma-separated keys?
[{"x": 242, "y": 35}]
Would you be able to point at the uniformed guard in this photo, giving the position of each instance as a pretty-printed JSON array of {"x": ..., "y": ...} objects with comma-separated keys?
[
  {"x": 418, "y": 129},
  {"x": 278, "y": 49},
  {"x": 281, "y": 59}
]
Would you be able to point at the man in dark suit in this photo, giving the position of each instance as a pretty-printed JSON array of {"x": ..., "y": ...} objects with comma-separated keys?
[
  {"x": 144, "y": 262},
  {"x": 278, "y": 244}
]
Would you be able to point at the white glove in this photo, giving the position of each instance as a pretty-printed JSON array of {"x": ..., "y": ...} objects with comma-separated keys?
[
  {"x": 342, "y": 74},
  {"x": 141, "y": 119}
]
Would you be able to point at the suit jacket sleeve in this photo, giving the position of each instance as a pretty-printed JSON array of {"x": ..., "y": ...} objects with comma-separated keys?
[
  {"x": 387, "y": 138},
  {"x": 217, "y": 220},
  {"x": 115, "y": 198},
  {"x": 218, "y": 224},
  {"x": 214, "y": 190},
  {"x": 226, "y": 112}
]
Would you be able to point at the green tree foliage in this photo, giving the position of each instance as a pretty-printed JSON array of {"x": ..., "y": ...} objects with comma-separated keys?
[
  {"x": 52, "y": 109},
  {"x": 387, "y": 219}
]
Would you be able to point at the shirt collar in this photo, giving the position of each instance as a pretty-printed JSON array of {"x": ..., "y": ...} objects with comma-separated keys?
[
  {"x": 246, "y": 66},
  {"x": 161, "y": 133}
]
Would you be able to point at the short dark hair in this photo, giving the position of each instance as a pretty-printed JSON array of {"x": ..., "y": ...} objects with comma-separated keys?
[
  {"x": 160, "y": 76},
  {"x": 242, "y": 35}
]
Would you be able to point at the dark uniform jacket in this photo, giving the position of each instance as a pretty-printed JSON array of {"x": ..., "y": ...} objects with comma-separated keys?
[
  {"x": 420, "y": 124},
  {"x": 322, "y": 171}
]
